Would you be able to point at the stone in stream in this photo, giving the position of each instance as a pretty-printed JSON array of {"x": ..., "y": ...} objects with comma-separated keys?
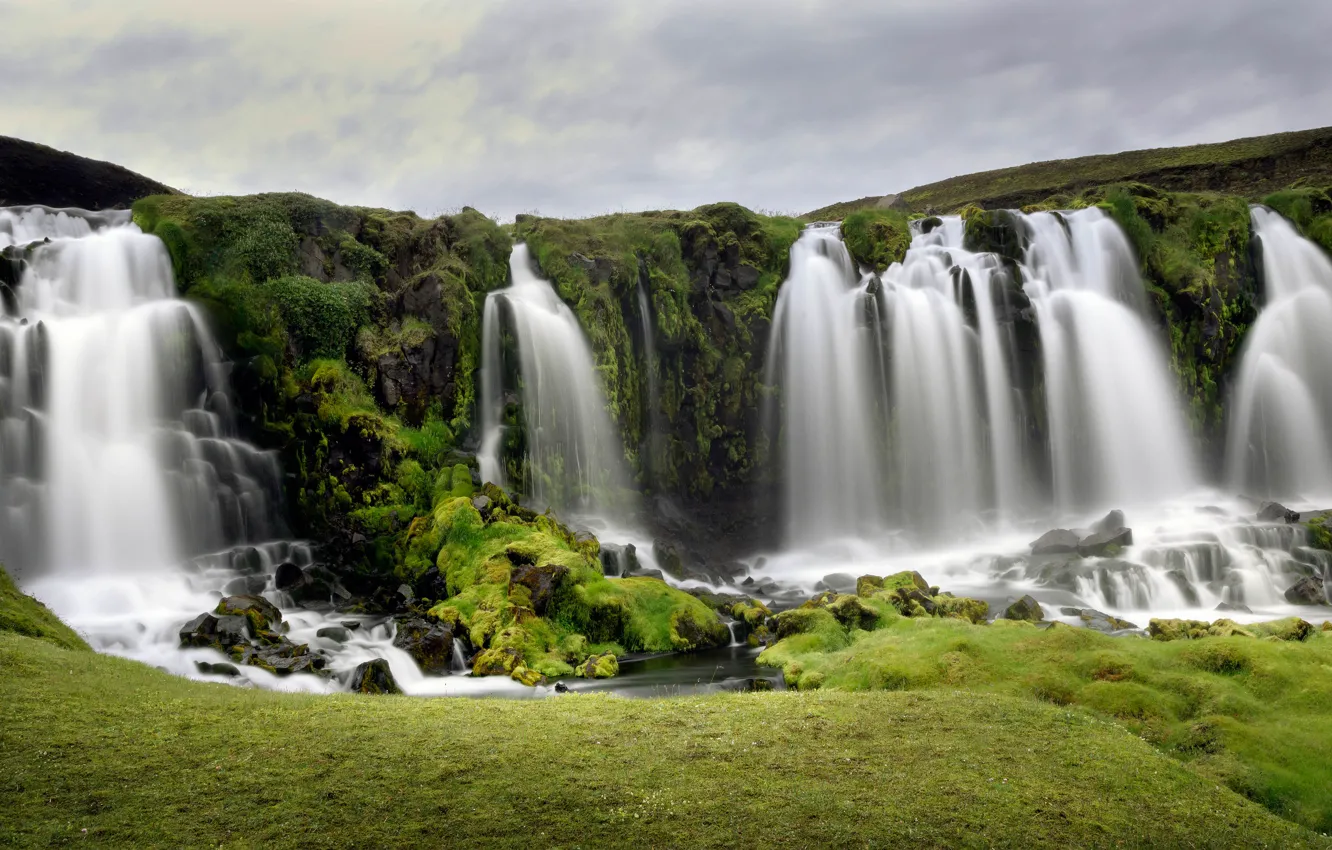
[
  {"x": 1027, "y": 609},
  {"x": 1309, "y": 590},
  {"x": 1105, "y": 542},
  {"x": 1060, "y": 541},
  {"x": 288, "y": 576},
  {"x": 1097, "y": 620},
  {"x": 220, "y": 668},
  {"x": 262, "y": 615},
  {"x": 1276, "y": 512},
  {"x": 337, "y": 634},
  {"x": 428, "y": 642},
  {"x": 1234, "y": 606},
  {"x": 210, "y": 630},
  {"x": 374, "y": 677}
]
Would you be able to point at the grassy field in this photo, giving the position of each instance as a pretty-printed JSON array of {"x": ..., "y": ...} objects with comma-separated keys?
[
  {"x": 102, "y": 751},
  {"x": 1251, "y": 167}
]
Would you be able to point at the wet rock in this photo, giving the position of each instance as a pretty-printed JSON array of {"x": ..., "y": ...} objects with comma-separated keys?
[
  {"x": 1027, "y": 609},
  {"x": 1057, "y": 542},
  {"x": 262, "y": 615},
  {"x": 245, "y": 586},
  {"x": 220, "y": 632},
  {"x": 1276, "y": 512},
  {"x": 319, "y": 588},
  {"x": 482, "y": 504},
  {"x": 1238, "y": 607},
  {"x": 432, "y": 585},
  {"x": 374, "y": 677},
  {"x": 561, "y": 688},
  {"x": 1181, "y": 581},
  {"x": 1110, "y": 522},
  {"x": 618, "y": 561},
  {"x": 541, "y": 582},
  {"x": 428, "y": 642},
  {"x": 288, "y": 576},
  {"x": 1108, "y": 542},
  {"x": 219, "y": 668},
  {"x": 337, "y": 634},
  {"x": 1309, "y": 590},
  {"x": 351, "y": 624}
]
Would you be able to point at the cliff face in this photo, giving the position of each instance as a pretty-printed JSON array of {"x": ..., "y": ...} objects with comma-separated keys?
[{"x": 35, "y": 174}]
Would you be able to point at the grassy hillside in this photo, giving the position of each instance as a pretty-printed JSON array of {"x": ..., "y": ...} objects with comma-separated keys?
[
  {"x": 104, "y": 750},
  {"x": 1251, "y": 167}
]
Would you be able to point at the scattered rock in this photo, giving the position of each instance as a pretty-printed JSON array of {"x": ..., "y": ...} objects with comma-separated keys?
[
  {"x": 337, "y": 634},
  {"x": 262, "y": 615},
  {"x": 1108, "y": 542},
  {"x": 1026, "y": 609},
  {"x": 839, "y": 582},
  {"x": 374, "y": 677},
  {"x": 561, "y": 688},
  {"x": 351, "y": 624},
  {"x": 1097, "y": 620},
  {"x": 1060, "y": 541},
  {"x": 219, "y": 668},
  {"x": 1309, "y": 590},
  {"x": 1237, "y": 607},
  {"x": 210, "y": 630},
  {"x": 428, "y": 642},
  {"x": 1276, "y": 512}
]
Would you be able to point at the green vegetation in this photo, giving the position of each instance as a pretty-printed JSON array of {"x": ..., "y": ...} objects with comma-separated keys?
[
  {"x": 876, "y": 238},
  {"x": 21, "y": 614},
  {"x": 109, "y": 751},
  {"x": 711, "y": 277},
  {"x": 1251, "y": 168},
  {"x": 1243, "y": 709}
]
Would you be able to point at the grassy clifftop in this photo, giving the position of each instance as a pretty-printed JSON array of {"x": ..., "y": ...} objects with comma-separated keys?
[
  {"x": 35, "y": 174},
  {"x": 1251, "y": 167}
]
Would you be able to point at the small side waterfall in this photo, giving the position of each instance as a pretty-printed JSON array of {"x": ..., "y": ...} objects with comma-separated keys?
[
  {"x": 823, "y": 346},
  {"x": 571, "y": 455},
  {"x": 1115, "y": 428},
  {"x": 118, "y": 460},
  {"x": 1282, "y": 411}
]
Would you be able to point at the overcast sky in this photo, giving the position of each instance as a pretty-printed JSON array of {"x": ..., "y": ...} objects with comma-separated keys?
[{"x": 578, "y": 107}]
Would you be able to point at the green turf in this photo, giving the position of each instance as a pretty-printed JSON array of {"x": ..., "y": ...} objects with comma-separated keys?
[{"x": 107, "y": 752}]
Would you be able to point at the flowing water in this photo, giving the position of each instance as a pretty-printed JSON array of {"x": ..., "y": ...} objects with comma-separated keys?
[
  {"x": 571, "y": 456},
  {"x": 1282, "y": 412}
]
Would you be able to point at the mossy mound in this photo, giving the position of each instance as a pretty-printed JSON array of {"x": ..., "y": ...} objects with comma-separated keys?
[
  {"x": 876, "y": 238},
  {"x": 912, "y": 596},
  {"x": 21, "y": 614},
  {"x": 530, "y": 594},
  {"x": 1244, "y": 705},
  {"x": 1287, "y": 629}
]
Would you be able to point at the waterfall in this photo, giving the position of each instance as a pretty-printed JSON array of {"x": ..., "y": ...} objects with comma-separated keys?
[
  {"x": 118, "y": 460},
  {"x": 1282, "y": 408},
  {"x": 1116, "y": 433},
  {"x": 572, "y": 455},
  {"x": 823, "y": 347}
]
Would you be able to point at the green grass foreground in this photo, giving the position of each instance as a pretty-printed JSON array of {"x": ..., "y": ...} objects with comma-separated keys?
[{"x": 98, "y": 750}]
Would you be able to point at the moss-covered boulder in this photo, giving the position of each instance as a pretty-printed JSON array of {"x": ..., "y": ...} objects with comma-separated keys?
[
  {"x": 374, "y": 678},
  {"x": 602, "y": 666},
  {"x": 1026, "y": 608},
  {"x": 262, "y": 615},
  {"x": 876, "y": 238},
  {"x": 1287, "y": 629}
]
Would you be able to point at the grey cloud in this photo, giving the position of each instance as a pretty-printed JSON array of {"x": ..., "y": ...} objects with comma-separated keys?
[{"x": 596, "y": 105}]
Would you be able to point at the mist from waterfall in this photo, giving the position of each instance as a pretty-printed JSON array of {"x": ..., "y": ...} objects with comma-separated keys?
[
  {"x": 571, "y": 453},
  {"x": 1281, "y": 414}
]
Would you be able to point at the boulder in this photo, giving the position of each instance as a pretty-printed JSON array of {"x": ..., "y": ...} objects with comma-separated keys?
[
  {"x": 1060, "y": 541},
  {"x": 220, "y": 668},
  {"x": 210, "y": 630},
  {"x": 602, "y": 666},
  {"x": 319, "y": 587},
  {"x": 262, "y": 615},
  {"x": 1276, "y": 512},
  {"x": 619, "y": 560},
  {"x": 541, "y": 581},
  {"x": 839, "y": 582},
  {"x": 337, "y": 634},
  {"x": 1097, "y": 620},
  {"x": 374, "y": 677},
  {"x": 1027, "y": 609},
  {"x": 1309, "y": 590},
  {"x": 288, "y": 576},
  {"x": 428, "y": 642},
  {"x": 1238, "y": 607},
  {"x": 853, "y": 613},
  {"x": 1107, "y": 542},
  {"x": 1109, "y": 522}
]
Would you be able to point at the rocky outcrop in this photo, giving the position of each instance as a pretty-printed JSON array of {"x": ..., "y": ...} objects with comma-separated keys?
[
  {"x": 1026, "y": 609},
  {"x": 374, "y": 677},
  {"x": 428, "y": 641}
]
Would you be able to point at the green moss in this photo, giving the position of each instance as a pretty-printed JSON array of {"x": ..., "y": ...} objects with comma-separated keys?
[
  {"x": 876, "y": 238},
  {"x": 21, "y": 614},
  {"x": 321, "y": 318}
]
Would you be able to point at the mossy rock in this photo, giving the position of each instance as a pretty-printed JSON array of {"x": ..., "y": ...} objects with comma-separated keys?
[
  {"x": 876, "y": 238},
  {"x": 602, "y": 666},
  {"x": 690, "y": 631},
  {"x": 262, "y": 615}
]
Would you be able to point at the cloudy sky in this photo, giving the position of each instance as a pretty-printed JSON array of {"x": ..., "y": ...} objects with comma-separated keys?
[{"x": 578, "y": 107}]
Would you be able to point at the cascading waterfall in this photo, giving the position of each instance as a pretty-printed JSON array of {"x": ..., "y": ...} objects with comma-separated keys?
[
  {"x": 572, "y": 456},
  {"x": 823, "y": 345},
  {"x": 125, "y": 493},
  {"x": 1281, "y": 415},
  {"x": 1116, "y": 433}
]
